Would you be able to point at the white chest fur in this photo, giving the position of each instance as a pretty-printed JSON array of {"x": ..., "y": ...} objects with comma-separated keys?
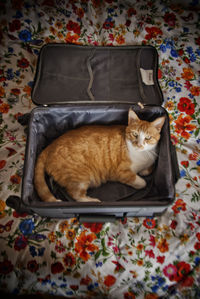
[{"x": 141, "y": 159}]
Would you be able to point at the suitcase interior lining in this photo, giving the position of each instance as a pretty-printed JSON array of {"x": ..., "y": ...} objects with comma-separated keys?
[
  {"x": 49, "y": 123},
  {"x": 80, "y": 73}
]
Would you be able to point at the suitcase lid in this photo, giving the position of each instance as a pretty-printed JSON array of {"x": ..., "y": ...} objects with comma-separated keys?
[{"x": 73, "y": 73}]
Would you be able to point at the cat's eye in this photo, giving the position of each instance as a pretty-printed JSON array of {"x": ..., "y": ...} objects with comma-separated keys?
[
  {"x": 148, "y": 137},
  {"x": 135, "y": 134}
]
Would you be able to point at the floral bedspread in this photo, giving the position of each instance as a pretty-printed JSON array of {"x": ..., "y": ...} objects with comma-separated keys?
[{"x": 135, "y": 257}]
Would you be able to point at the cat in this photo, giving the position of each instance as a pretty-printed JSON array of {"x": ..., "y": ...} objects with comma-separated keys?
[{"x": 94, "y": 154}]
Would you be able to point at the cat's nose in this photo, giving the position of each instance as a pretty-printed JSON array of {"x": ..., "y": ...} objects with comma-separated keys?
[{"x": 140, "y": 145}]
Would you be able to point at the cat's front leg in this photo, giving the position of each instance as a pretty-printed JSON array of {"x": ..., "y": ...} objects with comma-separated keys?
[
  {"x": 139, "y": 182},
  {"x": 131, "y": 179}
]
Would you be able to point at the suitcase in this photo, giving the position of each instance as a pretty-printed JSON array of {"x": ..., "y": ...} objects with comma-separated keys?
[{"x": 78, "y": 85}]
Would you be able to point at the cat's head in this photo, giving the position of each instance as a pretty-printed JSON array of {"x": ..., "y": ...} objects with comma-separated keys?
[{"x": 143, "y": 135}]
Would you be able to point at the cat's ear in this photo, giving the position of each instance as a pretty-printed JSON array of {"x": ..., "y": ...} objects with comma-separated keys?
[
  {"x": 132, "y": 116},
  {"x": 158, "y": 123}
]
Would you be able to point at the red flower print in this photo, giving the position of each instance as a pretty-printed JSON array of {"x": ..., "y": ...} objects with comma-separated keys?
[
  {"x": 74, "y": 287},
  {"x": 131, "y": 11},
  {"x": 187, "y": 281},
  {"x": 153, "y": 32},
  {"x": 4, "y": 108},
  {"x": 15, "y": 25},
  {"x": 69, "y": 260},
  {"x": 11, "y": 151},
  {"x": 198, "y": 236},
  {"x": 197, "y": 41},
  {"x": 57, "y": 268},
  {"x": 84, "y": 245},
  {"x": 179, "y": 206},
  {"x": 185, "y": 163},
  {"x": 193, "y": 156},
  {"x": 6, "y": 267},
  {"x": 129, "y": 295},
  {"x": 15, "y": 179},
  {"x": 20, "y": 243},
  {"x": 2, "y": 164},
  {"x": 15, "y": 91},
  {"x": 23, "y": 63},
  {"x": 160, "y": 259},
  {"x": 173, "y": 224},
  {"x": 73, "y": 26},
  {"x": 152, "y": 241},
  {"x": 150, "y": 253},
  {"x": 149, "y": 223},
  {"x": 170, "y": 19},
  {"x": 182, "y": 270},
  {"x": 32, "y": 266},
  {"x": 86, "y": 281},
  {"x": 94, "y": 227},
  {"x": 108, "y": 25},
  {"x": 19, "y": 215},
  {"x": 182, "y": 125},
  {"x": 159, "y": 74},
  {"x": 72, "y": 39},
  {"x": 185, "y": 105},
  {"x": 109, "y": 280},
  {"x": 197, "y": 246}
]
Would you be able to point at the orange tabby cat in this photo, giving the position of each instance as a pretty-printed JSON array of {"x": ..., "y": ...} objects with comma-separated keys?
[{"x": 91, "y": 155}]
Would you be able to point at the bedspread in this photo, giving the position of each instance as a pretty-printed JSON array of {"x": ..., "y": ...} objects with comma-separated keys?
[{"x": 130, "y": 258}]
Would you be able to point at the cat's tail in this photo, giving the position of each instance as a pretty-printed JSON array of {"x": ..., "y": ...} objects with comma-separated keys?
[{"x": 39, "y": 180}]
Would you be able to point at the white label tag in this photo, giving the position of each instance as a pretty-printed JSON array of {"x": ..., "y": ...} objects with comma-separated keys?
[{"x": 147, "y": 76}]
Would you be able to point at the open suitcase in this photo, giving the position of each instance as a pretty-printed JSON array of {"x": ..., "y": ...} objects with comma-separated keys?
[{"x": 77, "y": 85}]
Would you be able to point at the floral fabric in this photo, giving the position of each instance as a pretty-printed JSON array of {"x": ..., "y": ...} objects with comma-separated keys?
[{"x": 130, "y": 258}]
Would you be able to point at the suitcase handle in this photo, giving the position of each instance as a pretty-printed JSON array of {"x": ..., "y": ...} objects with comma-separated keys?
[{"x": 96, "y": 218}]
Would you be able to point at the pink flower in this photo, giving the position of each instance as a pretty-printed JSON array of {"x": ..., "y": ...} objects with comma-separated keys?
[{"x": 170, "y": 271}]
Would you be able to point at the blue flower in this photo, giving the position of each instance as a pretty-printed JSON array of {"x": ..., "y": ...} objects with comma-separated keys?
[
  {"x": 198, "y": 163},
  {"x": 25, "y": 35},
  {"x": 32, "y": 251},
  {"x": 99, "y": 264},
  {"x": 197, "y": 260},
  {"x": 155, "y": 288},
  {"x": 41, "y": 251},
  {"x": 161, "y": 281},
  {"x": 28, "y": 21},
  {"x": 198, "y": 141},
  {"x": 193, "y": 57},
  {"x": 163, "y": 48},
  {"x": 174, "y": 53},
  {"x": 182, "y": 173},
  {"x": 10, "y": 74},
  {"x": 197, "y": 52},
  {"x": 10, "y": 50},
  {"x": 185, "y": 29},
  {"x": 171, "y": 83},
  {"x": 189, "y": 50},
  {"x": 27, "y": 226},
  {"x": 178, "y": 89}
]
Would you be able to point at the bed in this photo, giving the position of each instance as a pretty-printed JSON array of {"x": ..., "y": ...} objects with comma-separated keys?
[{"x": 133, "y": 257}]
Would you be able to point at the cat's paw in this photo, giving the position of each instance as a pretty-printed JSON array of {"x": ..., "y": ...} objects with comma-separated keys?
[
  {"x": 139, "y": 183},
  {"x": 88, "y": 199}
]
